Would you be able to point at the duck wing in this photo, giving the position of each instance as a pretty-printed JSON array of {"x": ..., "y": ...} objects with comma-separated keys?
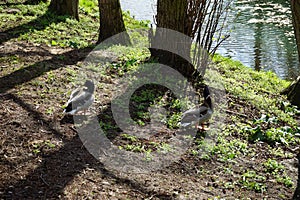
[
  {"x": 82, "y": 100},
  {"x": 74, "y": 94},
  {"x": 193, "y": 115}
]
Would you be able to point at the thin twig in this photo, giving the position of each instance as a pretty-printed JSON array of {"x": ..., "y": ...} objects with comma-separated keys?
[{"x": 41, "y": 176}]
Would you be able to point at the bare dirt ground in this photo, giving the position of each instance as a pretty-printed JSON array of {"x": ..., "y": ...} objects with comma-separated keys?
[{"x": 42, "y": 157}]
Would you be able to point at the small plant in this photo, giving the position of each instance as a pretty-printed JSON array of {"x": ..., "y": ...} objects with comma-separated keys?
[
  {"x": 252, "y": 181},
  {"x": 285, "y": 180},
  {"x": 49, "y": 144},
  {"x": 131, "y": 138},
  {"x": 283, "y": 135},
  {"x": 148, "y": 156},
  {"x": 279, "y": 152},
  {"x": 36, "y": 148},
  {"x": 50, "y": 110},
  {"x": 165, "y": 148},
  {"x": 50, "y": 77},
  {"x": 228, "y": 150},
  {"x": 229, "y": 185},
  {"x": 273, "y": 166},
  {"x": 39, "y": 145},
  {"x": 173, "y": 120},
  {"x": 106, "y": 125},
  {"x": 135, "y": 148}
]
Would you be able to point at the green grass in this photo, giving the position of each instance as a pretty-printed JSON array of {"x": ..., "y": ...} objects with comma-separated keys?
[
  {"x": 252, "y": 181},
  {"x": 262, "y": 90},
  {"x": 33, "y": 23}
]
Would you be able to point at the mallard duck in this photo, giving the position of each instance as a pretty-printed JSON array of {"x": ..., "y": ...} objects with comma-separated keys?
[
  {"x": 199, "y": 115},
  {"x": 81, "y": 98}
]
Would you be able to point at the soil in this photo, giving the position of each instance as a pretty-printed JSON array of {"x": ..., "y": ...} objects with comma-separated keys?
[{"x": 42, "y": 156}]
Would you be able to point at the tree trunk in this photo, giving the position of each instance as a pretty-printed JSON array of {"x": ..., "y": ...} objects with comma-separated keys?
[
  {"x": 65, "y": 7},
  {"x": 172, "y": 14},
  {"x": 293, "y": 92},
  {"x": 295, "y": 5},
  {"x": 294, "y": 95},
  {"x": 111, "y": 22}
]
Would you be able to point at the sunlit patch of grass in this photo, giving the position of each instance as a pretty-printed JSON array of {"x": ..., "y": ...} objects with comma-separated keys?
[
  {"x": 261, "y": 89},
  {"x": 265, "y": 129},
  {"x": 129, "y": 58},
  {"x": 279, "y": 152},
  {"x": 131, "y": 23},
  {"x": 48, "y": 28},
  {"x": 253, "y": 181},
  {"x": 24, "y": 14},
  {"x": 89, "y": 7},
  {"x": 229, "y": 150},
  {"x": 278, "y": 170}
]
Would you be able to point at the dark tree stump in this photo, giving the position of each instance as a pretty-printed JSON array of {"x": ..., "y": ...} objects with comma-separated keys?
[{"x": 293, "y": 92}]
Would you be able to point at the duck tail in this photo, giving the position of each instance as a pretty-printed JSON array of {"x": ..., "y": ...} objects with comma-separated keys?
[{"x": 68, "y": 109}]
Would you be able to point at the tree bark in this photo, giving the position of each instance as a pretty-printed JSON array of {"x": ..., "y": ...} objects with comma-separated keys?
[
  {"x": 293, "y": 92},
  {"x": 295, "y": 5},
  {"x": 112, "y": 23},
  {"x": 65, "y": 7},
  {"x": 172, "y": 14}
]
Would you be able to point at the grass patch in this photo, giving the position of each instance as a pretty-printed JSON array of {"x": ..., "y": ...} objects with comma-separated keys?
[
  {"x": 276, "y": 123},
  {"x": 34, "y": 23}
]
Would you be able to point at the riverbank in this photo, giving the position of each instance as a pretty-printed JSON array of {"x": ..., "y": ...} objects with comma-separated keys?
[
  {"x": 260, "y": 39},
  {"x": 254, "y": 155}
]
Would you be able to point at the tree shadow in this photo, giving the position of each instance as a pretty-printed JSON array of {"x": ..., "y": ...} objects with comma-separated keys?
[
  {"x": 296, "y": 195},
  {"x": 28, "y": 73},
  {"x": 38, "y": 24},
  {"x": 27, "y": 2},
  {"x": 60, "y": 167}
]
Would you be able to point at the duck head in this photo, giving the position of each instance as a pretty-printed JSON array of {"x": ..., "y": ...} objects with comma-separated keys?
[
  {"x": 89, "y": 86},
  {"x": 207, "y": 98}
]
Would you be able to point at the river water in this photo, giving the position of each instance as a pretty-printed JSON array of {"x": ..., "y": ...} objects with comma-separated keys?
[{"x": 261, "y": 33}]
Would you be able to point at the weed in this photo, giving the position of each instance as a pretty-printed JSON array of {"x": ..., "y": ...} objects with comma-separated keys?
[
  {"x": 135, "y": 148},
  {"x": 131, "y": 138},
  {"x": 228, "y": 150},
  {"x": 50, "y": 110},
  {"x": 273, "y": 166},
  {"x": 253, "y": 181},
  {"x": 165, "y": 148},
  {"x": 285, "y": 180}
]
